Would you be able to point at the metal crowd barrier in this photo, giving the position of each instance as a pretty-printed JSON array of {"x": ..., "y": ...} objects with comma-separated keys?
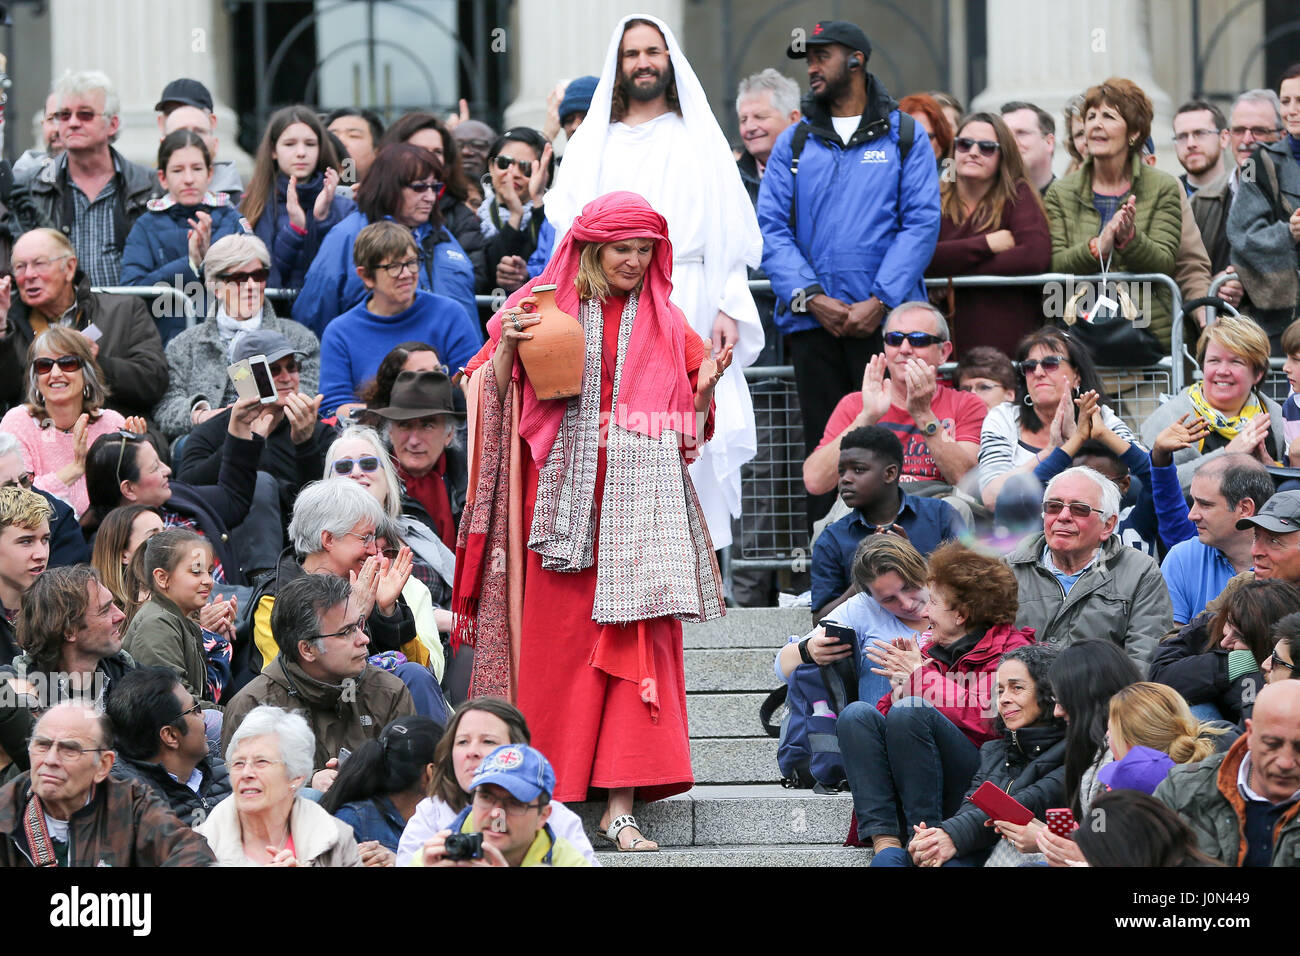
[{"x": 178, "y": 298}]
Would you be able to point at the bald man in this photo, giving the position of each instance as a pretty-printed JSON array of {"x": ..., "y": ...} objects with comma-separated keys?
[
  {"x": 84, "y": 817},
  {"x": 1242, "y": 803}
]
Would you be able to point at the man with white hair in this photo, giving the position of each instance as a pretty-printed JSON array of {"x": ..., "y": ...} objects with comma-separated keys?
[
  {"x": 90, "y": 192},
  {"x": 1077, "y": 579},
  {"x": 67, "y": 543},
  {"x": 657, "y": 136},
  {"x": 767, "y": 103}
]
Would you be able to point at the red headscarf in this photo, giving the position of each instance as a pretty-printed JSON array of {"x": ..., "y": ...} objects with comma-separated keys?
[{"x": 654, "y": 391}]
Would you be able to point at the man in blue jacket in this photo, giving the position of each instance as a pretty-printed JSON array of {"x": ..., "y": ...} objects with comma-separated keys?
[{"x": 849, "y": 228}]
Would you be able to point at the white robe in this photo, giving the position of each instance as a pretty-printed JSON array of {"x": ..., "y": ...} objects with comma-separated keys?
[{"x": 653, "y": 159}]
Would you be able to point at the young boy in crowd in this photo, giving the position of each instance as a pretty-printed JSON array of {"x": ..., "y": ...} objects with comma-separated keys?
[
  {"x": 988, "y": 373},
  {"x": 871, "y": 459},
  {"x": 1291, "y": 407}
]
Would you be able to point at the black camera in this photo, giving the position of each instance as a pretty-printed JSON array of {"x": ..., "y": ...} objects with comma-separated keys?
[{"x": 463, "y": 846}]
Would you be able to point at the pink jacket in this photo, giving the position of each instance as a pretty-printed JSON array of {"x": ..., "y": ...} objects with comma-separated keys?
[{"x": 47, "y": 450}]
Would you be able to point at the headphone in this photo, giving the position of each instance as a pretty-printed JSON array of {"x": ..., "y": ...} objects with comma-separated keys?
[{"x": 855, "y": 63}]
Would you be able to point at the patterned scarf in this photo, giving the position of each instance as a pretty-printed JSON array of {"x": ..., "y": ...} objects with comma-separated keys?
[
  {"x": 1223, "y": 425},
  {"x": 39, "y": 842}
]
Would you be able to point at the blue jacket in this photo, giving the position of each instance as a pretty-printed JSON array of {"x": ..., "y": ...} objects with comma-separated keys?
[
  {"x": 1171, "y": 506},
  {"x": 863, "y": 227},
  {"x": 542, "y": 254},
  {"x": 292, "y": 253},
  {"x": 332, "y": 286}
]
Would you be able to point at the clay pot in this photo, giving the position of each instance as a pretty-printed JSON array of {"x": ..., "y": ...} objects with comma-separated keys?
[{"x": 554, "y": 357}]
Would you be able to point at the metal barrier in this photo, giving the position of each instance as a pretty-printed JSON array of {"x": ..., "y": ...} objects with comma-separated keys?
[{"x": 179, "y": 298}]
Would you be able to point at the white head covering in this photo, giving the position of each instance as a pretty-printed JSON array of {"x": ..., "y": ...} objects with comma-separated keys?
[{"x": 733, "y": 233}]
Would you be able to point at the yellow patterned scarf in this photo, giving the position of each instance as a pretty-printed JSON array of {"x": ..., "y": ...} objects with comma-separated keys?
[{"x": 1225, "y": 425}]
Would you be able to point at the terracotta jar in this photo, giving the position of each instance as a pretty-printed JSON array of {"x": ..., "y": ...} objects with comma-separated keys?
[{"x": 554, "y": 357}]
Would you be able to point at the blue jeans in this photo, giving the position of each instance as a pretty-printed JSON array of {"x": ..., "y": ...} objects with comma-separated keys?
[
  {"x": 425, "y": 692},
  {"x": 909, "y": 767}
]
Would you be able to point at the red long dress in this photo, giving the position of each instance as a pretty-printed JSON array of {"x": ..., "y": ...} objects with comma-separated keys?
[{"x": 595, "y": 729}]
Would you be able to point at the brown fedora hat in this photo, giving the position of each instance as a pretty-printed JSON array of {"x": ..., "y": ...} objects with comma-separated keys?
[{"x": 419, "y": 395}]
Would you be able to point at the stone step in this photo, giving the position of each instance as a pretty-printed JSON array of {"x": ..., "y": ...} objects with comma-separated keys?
[
  {"x": 752, "y": 815},
  {"x": 730, "y": 669},
  {"x": 764, "y": 856},
  {"x": 735, "y": 760},
  {"x": 748, "y": 627},
  {"x": 724, "y": 715}
]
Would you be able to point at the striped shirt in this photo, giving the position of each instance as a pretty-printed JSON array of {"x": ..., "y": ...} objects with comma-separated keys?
[
  {"x": 1001, "y": 449},
  {"x": 93, "y": 234}
]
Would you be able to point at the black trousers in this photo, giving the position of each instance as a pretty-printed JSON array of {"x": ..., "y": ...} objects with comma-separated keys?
[{"x": 825, "y": 370}]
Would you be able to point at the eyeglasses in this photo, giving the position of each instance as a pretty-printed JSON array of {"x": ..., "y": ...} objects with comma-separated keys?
[
  {"x": 22, "y": 481},
  {"x": 918, "y": 340},
  {"x": 367, "y": 463},
  {"x": 366, "y": 539},
  {"x": 284, "y": 365},
  {"x": 510, "y": 805},
  {"x": 257, "y": 763},
  {"x": 257, "y": 275},
  {"x": 982, "y": 388},
  {"x": 84, "y": 115},
  {"x": 1192, "y": 134},
  {"x": 396, "y": 269},
  {"x": 67, "y": 749},
  {"x": 1049, "y": 363},
  {"x": 987, "y": 147},
  {"x": 1259, "y": 132},
  {"x": 36, "y": 265},
  {"x": 196, "y": 709},
  {"x": 1078, "y": 509},
  {"x": 425, "y": 187},
  {"x": 505, "y": 162},
  {"x": 66, "y": 363},
  {"x": 1278, "y": 662},
  {"x": 356, "y": 627}
]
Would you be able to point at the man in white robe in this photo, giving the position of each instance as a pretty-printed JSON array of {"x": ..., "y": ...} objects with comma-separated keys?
[{"x": 663, "y": 142}]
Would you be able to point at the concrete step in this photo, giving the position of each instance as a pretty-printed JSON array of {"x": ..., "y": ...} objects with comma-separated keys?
[
  {"x": 724, "y": 715},
  {"x": 735, "y": 760},
  {"x": 748, "y": 627},
  {"x": 730, "y": 669},
  {"x": 764, "y": 856},
  {"x": 753, "y": 815}
]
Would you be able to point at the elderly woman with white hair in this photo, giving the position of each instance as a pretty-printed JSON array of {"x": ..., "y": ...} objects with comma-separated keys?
[
  {"x": 1078, "y": 579},
  {"x": 235, "y": 271},
  {"x": 266, "y": 821}
]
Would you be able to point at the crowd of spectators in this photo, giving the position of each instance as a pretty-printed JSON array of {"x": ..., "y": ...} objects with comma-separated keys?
[{"x": 257, "y": 664}]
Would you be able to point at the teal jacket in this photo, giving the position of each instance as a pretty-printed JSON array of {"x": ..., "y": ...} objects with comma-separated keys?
[{"x": 1159, "y": 226}]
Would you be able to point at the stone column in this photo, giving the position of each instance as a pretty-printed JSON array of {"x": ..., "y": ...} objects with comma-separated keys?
[
  {"x": 1046, "y": 53},
  {"x": 555, "y": 40},
  {"x": 141, "y": 45}
]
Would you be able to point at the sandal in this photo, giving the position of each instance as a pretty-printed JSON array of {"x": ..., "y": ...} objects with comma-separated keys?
[{"x": 639, "y": 844}]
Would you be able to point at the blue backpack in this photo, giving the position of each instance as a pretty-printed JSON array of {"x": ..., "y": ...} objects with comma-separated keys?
[{"x": 808, "y": 751}]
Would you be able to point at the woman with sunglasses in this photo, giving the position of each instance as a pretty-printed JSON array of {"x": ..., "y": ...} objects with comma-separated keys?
[
  {"x": 168, "y": 243},
  {"x": 1117, "y": 213},
  {"x": 404, "y": 185},
  {"x": 1281, "y": 664},
  {"x": 396, "y": 310},
  {"x": 290, "y": 200},
  {"x": 511, "y": 214},
  {"x": 236, "y": 271},
  {"x": 992, "y": 223},
  {"x": 64, "y": 414},
  {"x": 1057, "y": 390}
]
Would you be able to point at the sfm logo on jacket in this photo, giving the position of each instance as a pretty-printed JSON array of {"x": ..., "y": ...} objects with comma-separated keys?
[{"x": 874, "y": 156}]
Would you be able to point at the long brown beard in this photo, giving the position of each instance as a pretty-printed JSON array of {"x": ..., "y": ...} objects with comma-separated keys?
[{"x": 618, "y": 103}]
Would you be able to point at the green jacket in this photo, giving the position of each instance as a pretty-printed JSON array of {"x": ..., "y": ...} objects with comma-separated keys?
[
  {"x": 1159, "y": 227},
  {"x": 1205, "y": 794},
  {"x": 161, "y": 636}
]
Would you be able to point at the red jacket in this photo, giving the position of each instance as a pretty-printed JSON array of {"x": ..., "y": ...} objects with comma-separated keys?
[{"x": 964, "y": 692}]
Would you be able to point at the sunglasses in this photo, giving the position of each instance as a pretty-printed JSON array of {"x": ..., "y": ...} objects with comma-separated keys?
[
  {"x": 285, "y": 365},
  {"x": 918, "y": 340},
  {"x": 1054, "y": 506},
  {"x": 367, "y": 463},
  {"x": 257, "y": 275},
  {"x": 66, "y": 363},
  {"x": 505, "y": 162},
  {"x": 1049, "y": 363},
  {"x": 124, "y": 438},
  {"x": 987, "y": 147},
  {"x": 84, "y": 115},
  {"x": 425, "y": 187}
]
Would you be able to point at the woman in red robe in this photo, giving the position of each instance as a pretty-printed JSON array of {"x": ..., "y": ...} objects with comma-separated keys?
[{"x": 582, "y": 628}]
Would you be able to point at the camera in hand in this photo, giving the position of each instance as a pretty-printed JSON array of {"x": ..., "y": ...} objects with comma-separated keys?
[{"x": 463, "y": 846}]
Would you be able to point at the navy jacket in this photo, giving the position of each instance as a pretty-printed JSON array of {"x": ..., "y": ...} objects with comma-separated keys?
[
  {"x": 219, "y": 508},
  {"x": 192, "y": 808},
  {"x": 864, "y": 227},
  {"x": 67, "y": 544},
  {"x": 332, "y": 285},
  {"x": 157, "y": 248},
  {"x": 291, "y": 253}
]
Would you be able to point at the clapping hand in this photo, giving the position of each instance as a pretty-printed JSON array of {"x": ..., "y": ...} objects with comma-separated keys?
[
  {"x": 200, "y": 236},
  {"x": 1177, "y": 436},
  {"x": 710, "y": 374},
  {"x": 391, "y": 579},
  {"x": 293, "y": 206},
  {"x": 365, "y": 586},
  {"x": 875, "y": 393},
  {"x": 303, "y": 414},
  {"x": 921, "y": 387},
  {"x": 896, "y": 659},
  {"x": 325, "y": 197},
  {"x": 1250, "y": 439},
  {"x": 219, "y": 617},
  {"x": 537, "y": 181}
]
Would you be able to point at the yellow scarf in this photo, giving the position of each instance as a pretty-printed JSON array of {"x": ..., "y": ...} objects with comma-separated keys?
[{"x": 1225, "y": 425}]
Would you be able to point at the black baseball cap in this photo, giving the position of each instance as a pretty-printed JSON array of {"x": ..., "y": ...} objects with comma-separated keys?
[
  {"x": 832, "y": 31},
  {"x": 1280, "y": 514},
  {"x": 186, "y": 92}
]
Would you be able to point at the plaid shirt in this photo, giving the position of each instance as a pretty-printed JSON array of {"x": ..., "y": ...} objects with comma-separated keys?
[{"x": 93, "y": 234}]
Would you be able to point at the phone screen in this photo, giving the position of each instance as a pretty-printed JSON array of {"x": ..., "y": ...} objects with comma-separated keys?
[{"x": 262, "y": 378}]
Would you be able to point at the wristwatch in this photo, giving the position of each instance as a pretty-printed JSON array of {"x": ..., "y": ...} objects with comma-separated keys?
[{"x": 930, "y": 430}]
